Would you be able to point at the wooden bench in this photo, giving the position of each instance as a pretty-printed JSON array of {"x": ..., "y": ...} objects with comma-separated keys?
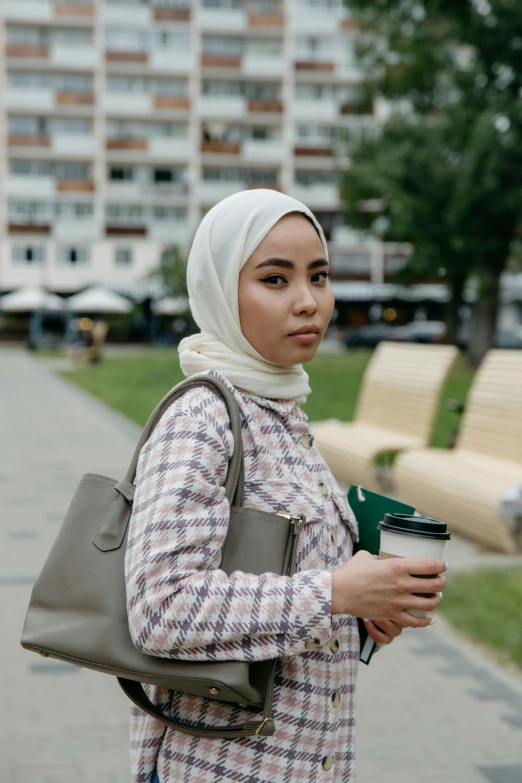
[
  {"x": 396, "y": 408},
  {"x": 465, "y": 486}
]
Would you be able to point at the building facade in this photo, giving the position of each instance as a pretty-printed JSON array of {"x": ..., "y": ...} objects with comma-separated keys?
[{"x": 123, "y": 121}]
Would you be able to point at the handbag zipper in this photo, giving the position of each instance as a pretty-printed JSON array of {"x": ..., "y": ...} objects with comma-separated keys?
[{"x": 297, "y": 521}]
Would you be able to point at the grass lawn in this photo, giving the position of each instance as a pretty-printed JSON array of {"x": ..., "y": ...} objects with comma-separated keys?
[
  {"x": 484, "y": 605},
  {"x": 134, "y": 384}
]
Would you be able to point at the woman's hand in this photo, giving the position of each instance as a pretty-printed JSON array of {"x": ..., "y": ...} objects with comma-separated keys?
[
  {"x": 365, "y": 586},
  {"x": 384, "y": 631}
]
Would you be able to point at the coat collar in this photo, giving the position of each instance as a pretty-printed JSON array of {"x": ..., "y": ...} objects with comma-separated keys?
[{"x": 283, "y": 407}]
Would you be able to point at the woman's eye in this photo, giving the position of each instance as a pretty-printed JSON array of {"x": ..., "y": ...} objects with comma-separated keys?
[
  {"x": 273, "y": 279},
  {"x": 324, "y": 274}
]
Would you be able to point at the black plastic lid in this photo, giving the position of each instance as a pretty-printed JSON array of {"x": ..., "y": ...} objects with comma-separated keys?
[{"x": 409, "y": 525}]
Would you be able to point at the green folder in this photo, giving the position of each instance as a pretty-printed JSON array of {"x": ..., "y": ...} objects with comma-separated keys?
[{"x": 369, "y": 509}]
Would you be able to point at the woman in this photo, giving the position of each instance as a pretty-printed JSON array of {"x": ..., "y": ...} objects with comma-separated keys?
[{"x": 259, "y": 291}]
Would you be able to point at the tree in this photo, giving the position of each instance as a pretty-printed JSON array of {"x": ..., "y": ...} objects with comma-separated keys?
[
  {"x": 402, "y": 183},
  {"x": 172, "y": 272},
  {"x": 453, "y": 71}
]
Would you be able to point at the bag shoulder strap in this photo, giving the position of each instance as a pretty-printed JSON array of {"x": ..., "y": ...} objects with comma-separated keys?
[{"x": 234, "y": 484}]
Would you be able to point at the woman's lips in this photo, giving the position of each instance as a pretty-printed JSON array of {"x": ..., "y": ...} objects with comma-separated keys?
[{"x": 306, "y": 338}]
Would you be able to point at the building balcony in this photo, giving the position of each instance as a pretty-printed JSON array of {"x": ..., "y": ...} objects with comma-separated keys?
[
  {"x": 170, "y": 61},
  {"x": 73, "y": 57},
  {"x": 266, "y": 20},
  {"x": 29, "y": 228},
  {"x": 29, "y": 98},
  {"x": 172, "y": 14},
  {"x": 255, "y": 64},
  {"x": 323, "y": 66},
  {"x": 312, "y": 152},
  {"x": 33, "y": 11},
  {"x": 125, "y": 231},
  {"x": 220, "y": 61},
  {"x": 170, "y": 232},
  {"x": 226, "y": 20},
  {"x": 27, "y": 52},
  {"x": 316, "y": 22},
  {"x": 74, "y": 99},
  {"x": 45, "y": 187},
  {"x": 82, "y": 10},
  {"x": 171, "y": 102},
  {"x": 30, "y": 187},
  {"x": 326, "y": 109},
  {"x": 17, "y": 140},
  {"x": 130, "y": 103},
  {"x": 79, "y": 145},
  {"x": 269, "y": 107},
  {"x": 164, "y": 148},
  {"x": 127, "y": 144},
  {"x": 211, "y": 192},
  {"x": 221, "y": 147},
  {"x": 66, "y": 230},
  {"x": 322, "y": 196},
  {"x": 126, "y": 57},
  {"x": 74, "y": 185},
  {"x": 254, "y": 151},
  {"x": 223, "y": 108},
  {"x": 132, "y": 14}
]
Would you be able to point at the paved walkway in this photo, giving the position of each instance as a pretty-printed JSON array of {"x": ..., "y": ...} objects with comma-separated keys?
[{"x": 430, "y": 708}]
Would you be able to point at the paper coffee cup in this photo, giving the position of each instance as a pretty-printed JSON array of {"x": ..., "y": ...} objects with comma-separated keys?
[{"x": 405, "y": 535}]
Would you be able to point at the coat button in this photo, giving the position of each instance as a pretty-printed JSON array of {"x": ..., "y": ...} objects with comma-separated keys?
[
  {"x": 323, "y": 489},
  {"x": 336, "y": 699},
  {"x": 327, "y": 763},
  {"x": 313, "y": 644},
  {"x": 333, "y": 644},
  {"x": 306, "y": 441},
  {"x": 333, "y": 536}
]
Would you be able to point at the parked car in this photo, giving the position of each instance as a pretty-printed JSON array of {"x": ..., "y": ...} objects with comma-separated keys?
[
  {"x": 370, "y": 336},
  {"x": 421, "y": 332}
]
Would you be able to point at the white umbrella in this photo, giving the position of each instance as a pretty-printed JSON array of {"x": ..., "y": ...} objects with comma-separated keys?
[
  {"x": 98, "y": 300},
  {"x": 30, "y": 299},
  {"x": 171, "y": 305}
]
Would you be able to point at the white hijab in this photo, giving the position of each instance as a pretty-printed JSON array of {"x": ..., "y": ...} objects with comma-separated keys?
[{"x": 226, "y": 238}]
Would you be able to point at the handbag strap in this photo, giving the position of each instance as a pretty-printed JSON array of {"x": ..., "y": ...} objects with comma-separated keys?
[
  {"x": 263, "y": 728},
  {"x": 234, "y": 491},
  {"x": 234, "y": 484}
]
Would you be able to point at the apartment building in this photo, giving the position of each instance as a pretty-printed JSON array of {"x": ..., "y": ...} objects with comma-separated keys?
[{"x": 123, "y": 121}]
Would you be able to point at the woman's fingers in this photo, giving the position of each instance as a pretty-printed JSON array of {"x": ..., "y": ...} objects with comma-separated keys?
[
  {"x": 375, "y": 633},
  {"x": 418, "y": 567},
  {"x": 383, "y": 631}
]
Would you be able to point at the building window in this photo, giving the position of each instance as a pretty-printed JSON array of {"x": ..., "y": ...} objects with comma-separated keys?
[
  {"x": 123, "y": 256},
  {"x": 121, "y": 173},
  {"x": 28, "y": 254},
  {"x": 163, "y": 175},
  {"x": 73, "y": 256}
]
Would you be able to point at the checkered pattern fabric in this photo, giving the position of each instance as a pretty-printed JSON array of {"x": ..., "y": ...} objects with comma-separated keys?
[{"x": 182, "y": 606}]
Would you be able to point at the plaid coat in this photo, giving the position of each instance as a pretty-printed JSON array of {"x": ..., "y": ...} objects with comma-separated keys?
[{"x": 181, "y": 605}]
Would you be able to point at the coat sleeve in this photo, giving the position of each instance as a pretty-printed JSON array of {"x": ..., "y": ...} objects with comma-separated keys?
[{"x": 180, "y": 604}]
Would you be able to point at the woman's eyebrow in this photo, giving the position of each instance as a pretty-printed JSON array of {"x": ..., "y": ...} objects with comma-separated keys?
[{"x": 285, "y": 264}]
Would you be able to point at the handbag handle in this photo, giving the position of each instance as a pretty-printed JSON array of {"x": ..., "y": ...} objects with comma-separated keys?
[
  {"x": 263, "y": 728},
  {"x": 234, "y": 491},
  {"x": 234, "y": 484}
]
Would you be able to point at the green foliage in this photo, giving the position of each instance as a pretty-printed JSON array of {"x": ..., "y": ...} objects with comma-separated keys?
[
  {"x": 486, "y": 605},
  {"x": 172, "y": 272},
  {"x": 444, "y": 169},
  {"x": 135, "y": 384}
]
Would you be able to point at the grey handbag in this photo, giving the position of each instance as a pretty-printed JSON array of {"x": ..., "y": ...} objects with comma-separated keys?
[{"x": 78, "y": 611}]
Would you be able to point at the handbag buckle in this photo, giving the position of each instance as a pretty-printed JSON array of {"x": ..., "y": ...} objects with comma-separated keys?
[{"x": 262, "y": 725}]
